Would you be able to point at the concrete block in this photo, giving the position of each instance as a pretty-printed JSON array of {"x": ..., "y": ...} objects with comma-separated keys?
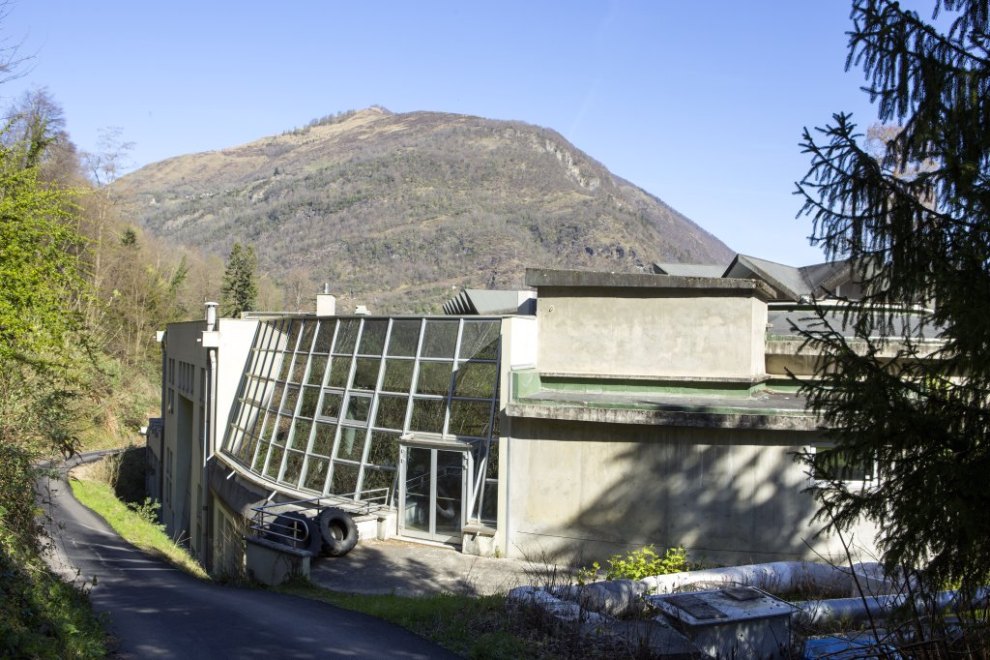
[{"x": 273, "y": 563}]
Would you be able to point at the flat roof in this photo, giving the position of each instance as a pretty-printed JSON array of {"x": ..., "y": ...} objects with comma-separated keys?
[{"x": 670, "y": 284}]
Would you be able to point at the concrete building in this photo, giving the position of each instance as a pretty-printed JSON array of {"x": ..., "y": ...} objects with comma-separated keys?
[{"x": 630, "y": 409}]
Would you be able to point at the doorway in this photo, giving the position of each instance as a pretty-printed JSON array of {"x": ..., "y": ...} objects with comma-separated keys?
[{"x": 432, "y": 485}]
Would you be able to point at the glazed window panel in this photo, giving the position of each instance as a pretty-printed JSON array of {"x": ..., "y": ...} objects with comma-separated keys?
[
  {"x": 323, "y": 439},
  {"x": 292, "y": 329},
  {"x": 345, "y": 478},
  {"x": 476, "y": 380},
  {"x": 347, "y": 333},
  {"x": 358, "y": 407},
  {"x": 434, "y": 378},
  {"x": 331, "y": 404},
  {"x": 373, "y": 337},
  {"x": 398, "y": 375},
  {"x": 293, "y": 467},
  {"x": 351, "y": 443},
  {"x": 299, "y": 368},
  {"x": 340, "y": 371},
  {"x": 480, "y": 340},
  {"x": 317, "y": 369},
  {"x": 404, "y": 339},
  {"x": 316, "y": 474},
  {"x": 291, "y": 397},
  {"x": 470, "y": 418},
  {"x": 384, "y": 449},
  {"x": 428, "y": 415},
  {"x": 300, "y": 435},
  {"x": 440, "y": 339},
  {"x": 282, "y": 427},
  {"x": 274, "y": 462},
  {"x": 310, "y": 399},
  {"x": 277, "y": 393},
  {"x": 376, "y": 479},
  {"x": 391, "y": 413},
  {"x": 324, "y": 336},
  {"x": 306, "y": 336},
  {"x": 366, "y": 373},
  {"x": 283, "y": 362}
]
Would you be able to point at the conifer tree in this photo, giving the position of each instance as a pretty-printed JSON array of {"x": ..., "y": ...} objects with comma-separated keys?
[
  {"x": 240, "y": 286},
  {"x": 909, "y": 386}
]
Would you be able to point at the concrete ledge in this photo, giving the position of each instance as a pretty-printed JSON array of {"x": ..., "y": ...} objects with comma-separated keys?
[
  {"x": 669, "y": 284},
  {"x": 273, "y": 563}
]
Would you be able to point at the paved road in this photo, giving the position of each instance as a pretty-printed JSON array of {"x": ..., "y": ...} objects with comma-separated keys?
[{"x": 157, "y": 611}]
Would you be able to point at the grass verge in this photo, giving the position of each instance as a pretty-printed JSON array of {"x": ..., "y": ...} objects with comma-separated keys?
[
  {"x": 473, "y": 627},
  {"x": 134, "y": 527}
]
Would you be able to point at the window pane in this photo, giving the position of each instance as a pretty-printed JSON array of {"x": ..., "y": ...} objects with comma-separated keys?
[
  {"x": 316, "y": 474},
  {"x": 282, "y": 430},
  {"x": 331, "y": 404},
  {"x": 344, "y": 478},
  {"x": 377, "y": 478},
  {"x": 282, "y": 363},
  {"x": 391, "y": 412},
  {"x": 323, "y": 441},
  {"x": 434, "y": 378},
  {"x": 373, "y": 337},
  {"x": 476, "y": 379},
  {"x": 293, "y": 467},
  {"x": 357, "y": 408},
  {"x": 310, "y": 397},
  {"x": 300, "y": 436},
  {"x": 384, "y": 449},
  {"x": 298, "y": 368},
  {"x": 351, "y": 444},
  {"x": 366, "y": 373},
  {"x": 404, "y": 338},
  {"x": 489, "y": 505},
  {"x": 277, "y": 393},
  {"x": 347, "y": 331},
  {"x": 324, "y": 337},
  {"x": 292, "y": 328},
  {"x": 274, "y": 462},
  {"x": 340, "y": 369},
  {"x": 470, "y": 418},
  {"x": 492, "y": 471},
  {"x": 306, "y": 338},
  {"x": 317, "y": 367},
  {"x": 479, "y": 340},
  {"x": 259, "y": 459},
  {"x": 291, "y": 396},
  {"x": 398, "y": 376},
  {"x": 440, "y": 339},
  {"x": 428, "y": 415}
]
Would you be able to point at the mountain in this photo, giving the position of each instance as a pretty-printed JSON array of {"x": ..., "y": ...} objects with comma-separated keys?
[{"x": 399, "y": 211}]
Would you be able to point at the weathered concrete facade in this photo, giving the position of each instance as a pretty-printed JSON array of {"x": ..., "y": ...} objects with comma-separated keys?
[{"x": 647, "y": 419}]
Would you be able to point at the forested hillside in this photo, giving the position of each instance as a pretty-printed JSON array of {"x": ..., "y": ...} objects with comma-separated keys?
[
  {"x": 397, "y": 210},
  {"x": 81, "y": 294}
]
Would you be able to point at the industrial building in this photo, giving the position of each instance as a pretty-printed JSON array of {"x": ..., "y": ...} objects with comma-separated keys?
[{"x": 629, "y": 409}]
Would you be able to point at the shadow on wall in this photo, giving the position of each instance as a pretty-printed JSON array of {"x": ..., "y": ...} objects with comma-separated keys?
[{"x": 595, "y": 490}]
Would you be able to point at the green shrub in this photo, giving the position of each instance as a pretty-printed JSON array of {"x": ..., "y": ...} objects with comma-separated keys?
[{"x": 636, "y": 565}]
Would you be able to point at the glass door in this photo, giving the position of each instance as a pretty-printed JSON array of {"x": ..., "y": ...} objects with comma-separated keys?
[{"x": 431, "y": 493}]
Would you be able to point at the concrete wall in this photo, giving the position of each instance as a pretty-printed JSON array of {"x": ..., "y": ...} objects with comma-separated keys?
[
  {"x": 582, "y": 491},
  {"x": 658, "y": 327}
]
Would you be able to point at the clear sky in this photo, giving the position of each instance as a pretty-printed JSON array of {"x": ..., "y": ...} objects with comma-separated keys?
[{"x": 701, "y": 104}]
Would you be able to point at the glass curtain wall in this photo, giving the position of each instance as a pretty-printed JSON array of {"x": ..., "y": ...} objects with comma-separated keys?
[{"x": 323, "y": 402}]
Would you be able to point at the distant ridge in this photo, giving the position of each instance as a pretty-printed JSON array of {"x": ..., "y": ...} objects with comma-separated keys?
[{"x": 399, "y": 211}]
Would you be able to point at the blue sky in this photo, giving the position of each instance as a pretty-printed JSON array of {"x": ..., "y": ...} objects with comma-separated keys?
[{"x": 701, "y": 104}]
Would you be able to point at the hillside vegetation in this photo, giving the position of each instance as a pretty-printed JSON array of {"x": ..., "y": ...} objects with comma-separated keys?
[{"x": 396, "y": 211}]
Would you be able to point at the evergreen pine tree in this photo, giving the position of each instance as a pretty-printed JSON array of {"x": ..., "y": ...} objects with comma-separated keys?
[
  {"x": 916, "y": 226},
  {"x": 240, "y": 286}
]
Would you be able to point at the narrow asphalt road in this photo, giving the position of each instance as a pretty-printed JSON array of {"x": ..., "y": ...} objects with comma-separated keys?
[{"x": 156, "y": 611}]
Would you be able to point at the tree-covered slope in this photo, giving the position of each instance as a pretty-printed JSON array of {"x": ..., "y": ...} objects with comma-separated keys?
[{"x": 396, "y": 211}]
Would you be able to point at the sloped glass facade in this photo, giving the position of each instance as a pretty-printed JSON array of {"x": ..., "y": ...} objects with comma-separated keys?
[{"x": 323, "y": 402}]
